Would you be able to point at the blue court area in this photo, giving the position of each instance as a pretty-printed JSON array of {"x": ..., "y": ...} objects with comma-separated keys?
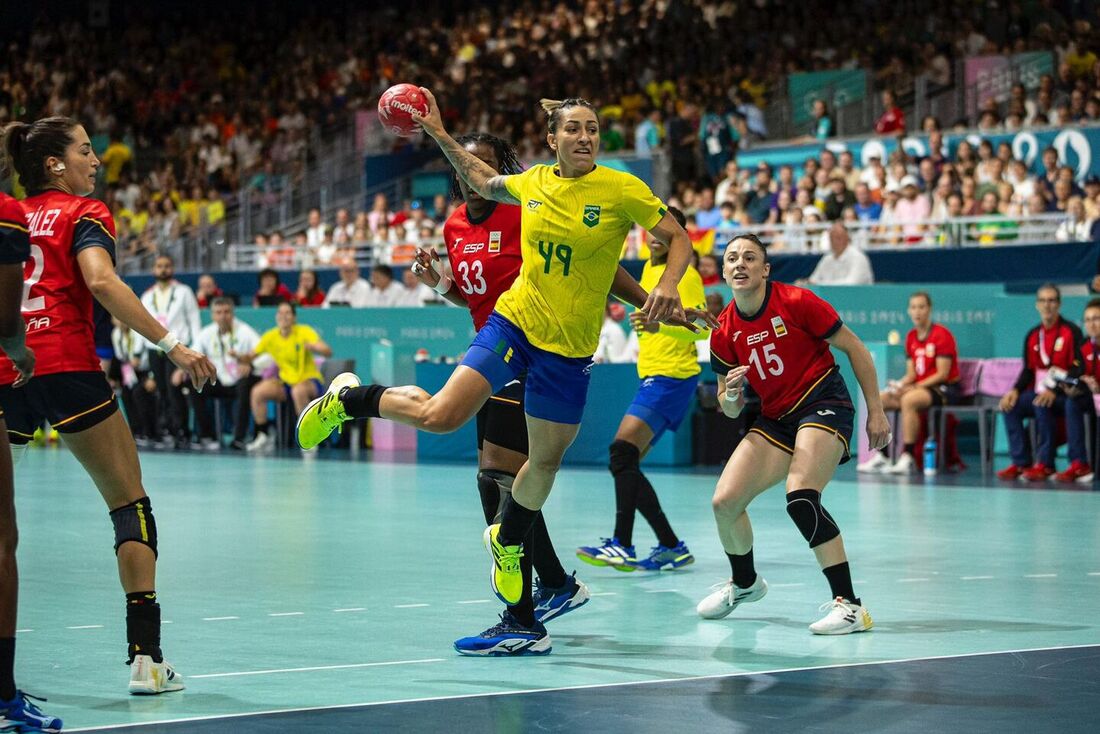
[{"x": 324, "y": 595}]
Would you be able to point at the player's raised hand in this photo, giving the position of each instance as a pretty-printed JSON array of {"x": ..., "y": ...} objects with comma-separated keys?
[
  {"x": 424, "y": 267},
  {"x": 663, "y": 305},
  {"x": 433, "y": 121}
]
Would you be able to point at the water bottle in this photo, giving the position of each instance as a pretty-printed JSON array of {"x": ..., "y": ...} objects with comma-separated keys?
[{"x": 930, "y": 457}]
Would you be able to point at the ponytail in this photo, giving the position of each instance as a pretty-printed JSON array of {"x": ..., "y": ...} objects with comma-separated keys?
[{"x": 555, "y": 107}]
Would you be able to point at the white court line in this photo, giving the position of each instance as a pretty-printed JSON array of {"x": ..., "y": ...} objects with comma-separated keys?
[
  {"x": 975, "y": 578},
  {"x": 405, "y": 606},
  {"x": 287, "y": 614},
  {"x": 1040, "y": 575},
  {"x": 350, "y": 609},
  {"x": 217, "y": 619},
  {"x": 603, "y": 593},
  {"x": 912, "y": 580},
  {"x": 685, "y": 679},
  {"x": 663, "y": 591},
  {"x": 24, "y": 631},
  {"x": 1094, "y": 573},
  {"x": 86, "y": 627},
  {"x": 475, "y": 601},
  {"x": 317, "y": 667}
]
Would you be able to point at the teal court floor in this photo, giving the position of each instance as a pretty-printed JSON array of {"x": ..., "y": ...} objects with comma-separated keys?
[{"x": 324, "y": 595}]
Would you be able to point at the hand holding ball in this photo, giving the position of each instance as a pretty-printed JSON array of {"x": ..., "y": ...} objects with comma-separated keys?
[{"x": 395, "y": 108}]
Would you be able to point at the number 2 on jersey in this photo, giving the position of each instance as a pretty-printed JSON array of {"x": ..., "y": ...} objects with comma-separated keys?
[
  {"x": 30, "y": 305},
  {"x": 775, "y": 364},
  {"x": 478, "y": 285}
]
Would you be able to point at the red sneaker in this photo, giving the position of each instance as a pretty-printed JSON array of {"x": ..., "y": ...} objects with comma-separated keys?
[
  {"x": 1075, "y": 471},
  {"x": 1038, "y": 473},
  {"x": 1010, "y": 473}
]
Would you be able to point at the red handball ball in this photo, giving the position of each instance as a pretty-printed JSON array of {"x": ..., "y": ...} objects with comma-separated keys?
[{"x": 395, "y": 108}]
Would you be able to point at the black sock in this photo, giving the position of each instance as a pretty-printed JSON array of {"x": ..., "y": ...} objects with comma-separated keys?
[
  {"x": 515, "y": 522},
  {"x": 7, "y": 668},
  {"x": 744, "y": 571},
  {"x": 143, "y": 625},
  {"x": 543, "y": 556},
  {"x": 840, "y": 581},
  {"x": 362, "y": 402},
  {"x": 650, "y": 507},
  {"x": 261, "y": 428},
  {"x": 626, "y": 503},
  {"x": 911, "y": 449},
  {"x": 524, "y": 610}
]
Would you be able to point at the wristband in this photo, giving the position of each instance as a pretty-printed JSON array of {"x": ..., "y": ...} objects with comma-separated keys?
[
  {"x": 443, "y": 285},
  {"x": 168, "y": 343}
]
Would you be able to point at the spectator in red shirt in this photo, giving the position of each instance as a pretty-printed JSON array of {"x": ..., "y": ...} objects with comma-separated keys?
[
  {"x": 207, "y": 291},
  {"x": 893, "y": 119},
  {"x": 309, "y": 292},
  {"x": 271, "y": 291},
  {"x": 1052, "y": 366},
  {"x": 931, "y": 378},
  {"x": 708, "y": 268}
]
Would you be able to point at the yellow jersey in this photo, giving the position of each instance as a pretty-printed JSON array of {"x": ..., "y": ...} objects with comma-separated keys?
[
  {"x": 572, "y": 233},
  {"x": 670, "y": 352},
  {"x": 295, "y": 362}
]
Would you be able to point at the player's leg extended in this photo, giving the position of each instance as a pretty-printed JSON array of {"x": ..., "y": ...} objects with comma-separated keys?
[
  {"x": 9, "y": 572},
  {"x": 755, "y": 466},
  {"x": 817, "y": 454}
]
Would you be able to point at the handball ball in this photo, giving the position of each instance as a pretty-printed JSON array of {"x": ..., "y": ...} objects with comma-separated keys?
[{"x": 395, "y": 106}]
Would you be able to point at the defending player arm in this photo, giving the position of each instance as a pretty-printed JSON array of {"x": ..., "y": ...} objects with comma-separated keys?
[
  {"x": 628, "y": 290},
  {"x": 15, "y": 246},
  {"x": 477, "y": 174}
]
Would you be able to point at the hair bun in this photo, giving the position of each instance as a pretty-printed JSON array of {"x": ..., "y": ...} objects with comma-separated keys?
[{"x": 550, "y": 105}]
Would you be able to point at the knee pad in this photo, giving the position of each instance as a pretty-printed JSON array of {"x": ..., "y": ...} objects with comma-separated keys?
[
  {"x": 493, "y": 486},
  {"x": 134, "y": 523},
  {"x": 813, "y": 521},
  {"x": 625, "y": 457},
  {"x": 18, "y": 451}
]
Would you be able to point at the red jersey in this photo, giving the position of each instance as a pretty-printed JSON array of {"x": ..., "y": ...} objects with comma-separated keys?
[
  {"x": 485, "y": 256},
  {"x": 57, "y": 305},
  {"x": 783, "y": 343},
  {"x": 1058, "y": 346},
  {"x": 1090, "y": 354},
  {"x": 924, "y": 352},
  {"x": 15, "y": 243}
]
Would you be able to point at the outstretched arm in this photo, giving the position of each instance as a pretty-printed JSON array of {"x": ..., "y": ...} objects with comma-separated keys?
[{"x": 479, "y": 175}]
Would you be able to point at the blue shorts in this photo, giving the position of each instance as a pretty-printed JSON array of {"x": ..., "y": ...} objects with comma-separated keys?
[
  {"x": 556, "y": 386},
  {"x": 316, "y": 383},
  {"x": 662, "y": 402}
]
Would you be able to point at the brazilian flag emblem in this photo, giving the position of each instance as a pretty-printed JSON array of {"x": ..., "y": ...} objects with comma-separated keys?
[{"x": 591, "y": 216}]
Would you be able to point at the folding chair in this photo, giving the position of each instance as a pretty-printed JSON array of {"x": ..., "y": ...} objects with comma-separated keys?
[{"x": 980, "y": 400}]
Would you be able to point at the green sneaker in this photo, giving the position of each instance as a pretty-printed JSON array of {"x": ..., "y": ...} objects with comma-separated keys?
[
  {"x": 506, "y": 576},
  {"x": 325, "y": 414}
]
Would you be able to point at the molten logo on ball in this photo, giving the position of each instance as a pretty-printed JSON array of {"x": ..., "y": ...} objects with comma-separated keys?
[{"x": 396, "y": 106}]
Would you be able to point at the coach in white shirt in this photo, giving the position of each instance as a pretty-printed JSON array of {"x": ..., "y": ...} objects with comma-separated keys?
[
  {"x": 351, "y": 290},
  {"x": 224, "y": 341},
  {"x": 844, "y": 264},
  {"x": 174, "y": 305}
]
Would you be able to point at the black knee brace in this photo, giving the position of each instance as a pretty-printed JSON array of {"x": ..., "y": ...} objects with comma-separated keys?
[
  {"x": 493, "y": 486},
  {"x": 815, "y": 523},
  {"x": 625, "y": 457},
  {"x": 134, "y": 523}
]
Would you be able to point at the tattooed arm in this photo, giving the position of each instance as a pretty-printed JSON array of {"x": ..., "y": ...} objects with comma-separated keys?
[{"x": 474, "y": 171}]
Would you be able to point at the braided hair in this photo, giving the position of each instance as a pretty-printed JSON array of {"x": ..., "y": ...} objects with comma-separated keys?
[{"x": 504, "y": 151}]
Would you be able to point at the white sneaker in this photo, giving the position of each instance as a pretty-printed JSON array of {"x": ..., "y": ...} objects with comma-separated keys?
[
  {"x": 843, "y": 618},
  {"x": 877, "y": 464},
  {"x": 726, "y": 596},
  {"x": 210, "y": 444},
  {"x": 904, "y": 466},
  {"x": 148, "y": 678},
  {"x": 262, "y": 442},
  {"x": 1086, "y": 478}
]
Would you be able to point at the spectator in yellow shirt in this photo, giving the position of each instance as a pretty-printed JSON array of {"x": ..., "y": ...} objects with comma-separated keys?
[
  {"x": 292, "y": 346},
  {"x": 117, "y": 155}
]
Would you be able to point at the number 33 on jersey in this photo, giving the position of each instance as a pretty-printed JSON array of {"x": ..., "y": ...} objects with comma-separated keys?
[
  {"x": 485, "y": 256},
  {"x": 784, "y": 344}
]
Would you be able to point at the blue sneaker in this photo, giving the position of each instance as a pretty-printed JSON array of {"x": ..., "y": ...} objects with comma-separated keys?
[
  {"x": 554, "y": 602},
  {"x": 663, "y": 557},
  {"x": 610, "y": 552},
  {"x": 507, "y": 638},
  {"x": 19, "y": 714}
]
